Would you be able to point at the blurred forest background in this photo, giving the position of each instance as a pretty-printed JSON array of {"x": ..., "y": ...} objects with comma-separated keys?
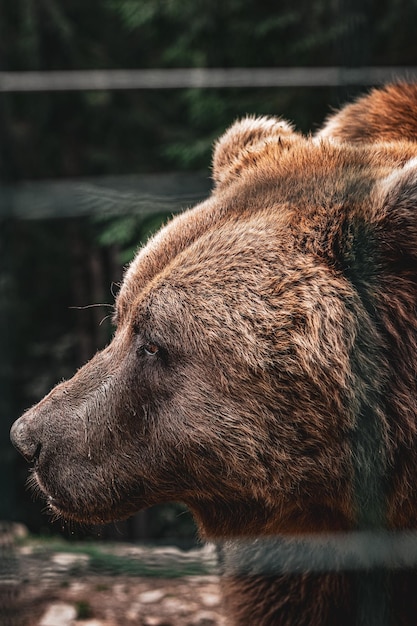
[{"x": 142, "y": 155}]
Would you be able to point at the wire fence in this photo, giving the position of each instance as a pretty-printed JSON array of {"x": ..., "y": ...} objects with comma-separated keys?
[
  {"x": 201, "y": 78},
  {"x": 144, "y": 195},
  {"x": 350, "y": 551}
]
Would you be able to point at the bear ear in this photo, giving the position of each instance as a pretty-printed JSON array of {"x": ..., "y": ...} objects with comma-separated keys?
[
  {"x": 244, "y": 137},
  {"x": 384, "y": 114}
]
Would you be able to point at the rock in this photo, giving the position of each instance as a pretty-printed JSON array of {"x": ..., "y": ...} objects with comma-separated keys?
[
  {"x": 12, "y": 531},
  {"x": 59, "y": 615},
  {"x": 66, "y": 560},
  {"x": 91, "y": 622},
  {"x": 133, "y": 612},
  {"x": 210, "y": 600},
  {"x": 156, "y": 621},
  {"x": 204, "y": 618},
  {"x": 174, "y": 606},
  {"x": 149, "y": 597}
]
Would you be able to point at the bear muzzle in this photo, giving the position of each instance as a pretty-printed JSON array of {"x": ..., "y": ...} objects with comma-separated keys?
[{"x": 25, "y": 440}]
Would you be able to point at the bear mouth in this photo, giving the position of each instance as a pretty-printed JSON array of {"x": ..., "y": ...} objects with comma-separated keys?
[
  {"x": 57, "y": 510},
  {"x": 94, "y": 508},
  {"x": 82, "y": 512},
  {"x": 60, "y": 509}
]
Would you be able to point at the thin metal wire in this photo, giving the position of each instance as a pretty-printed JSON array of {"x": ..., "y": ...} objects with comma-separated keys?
[
  {"x": 203, "y": 78},
  {"x": 344, "y": 551}
]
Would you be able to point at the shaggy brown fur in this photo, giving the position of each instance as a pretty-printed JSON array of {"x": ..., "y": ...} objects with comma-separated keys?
[
  {"x": 263, "y": 367},
  {"x": 387, "y": 114}
]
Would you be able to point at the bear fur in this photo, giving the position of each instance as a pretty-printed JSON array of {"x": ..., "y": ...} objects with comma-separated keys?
[{"x": 263, "y": 369}]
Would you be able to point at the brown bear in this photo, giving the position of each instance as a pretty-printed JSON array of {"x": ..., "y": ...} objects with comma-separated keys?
[{"x": 263, "y": 371}]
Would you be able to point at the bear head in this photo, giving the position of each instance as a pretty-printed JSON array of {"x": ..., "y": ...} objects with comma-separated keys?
[{"x": 262, "y": 367}]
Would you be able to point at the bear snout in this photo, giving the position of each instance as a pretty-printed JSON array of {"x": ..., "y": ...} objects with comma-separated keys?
[{"x": 25, "y": 440}]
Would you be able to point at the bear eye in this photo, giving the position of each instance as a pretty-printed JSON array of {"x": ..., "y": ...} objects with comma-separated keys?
[{"x": 150, "y": 349}]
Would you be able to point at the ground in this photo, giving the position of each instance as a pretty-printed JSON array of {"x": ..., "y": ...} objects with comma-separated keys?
[{"x": 58, "y": 584}]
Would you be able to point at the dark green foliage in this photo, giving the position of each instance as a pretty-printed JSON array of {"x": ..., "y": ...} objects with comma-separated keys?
[{"x": 127, "y": 232}]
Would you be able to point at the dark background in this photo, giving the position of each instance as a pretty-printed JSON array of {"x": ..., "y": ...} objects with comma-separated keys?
[{"x": 86, "y": 176}]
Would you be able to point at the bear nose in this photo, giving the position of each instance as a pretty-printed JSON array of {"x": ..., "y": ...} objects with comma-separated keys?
[{"x": 23, "y": 440}]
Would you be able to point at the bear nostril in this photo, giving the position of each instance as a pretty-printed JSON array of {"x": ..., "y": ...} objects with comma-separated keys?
[{"x": 22, "y": 440}]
